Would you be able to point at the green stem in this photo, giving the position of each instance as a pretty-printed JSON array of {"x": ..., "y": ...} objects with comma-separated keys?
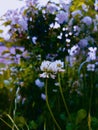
[
  {"x": 12, "y": 121},
  {"x": 90, "y": 102},
  {"x": 45, "y": 125},
  {"x": 51, "y": 113},
  {"x": 65, "y": 104},
  {"x": 6, "y": 123}
]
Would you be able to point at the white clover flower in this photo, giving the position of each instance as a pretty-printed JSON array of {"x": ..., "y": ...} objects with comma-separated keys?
[
  {"x": 96, "y": 5},
  {"x": 44, "y": 75},
  {"x": 91, "y": 53},
  {"x": 57, "y": 66},
  {"x": 44, "y": 66},
  {"x": 90, "y": 67},
  {"x": 50, "y": 69},
  {"x": 87, "y": 20},
  {"x": 74, "y": 50}
]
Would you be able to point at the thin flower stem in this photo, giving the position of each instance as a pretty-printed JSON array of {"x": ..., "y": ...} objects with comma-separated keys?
[
  {"x": 12, "y": 121},
  {"x": 45, "y": 125},
  {"x": 90, "y": 102},
  {"x": 89, "y": 121},
  {"x": 61, "y": 92},
  {"x": 51, "y": 113},
  {"x": 6, "y": 123}
]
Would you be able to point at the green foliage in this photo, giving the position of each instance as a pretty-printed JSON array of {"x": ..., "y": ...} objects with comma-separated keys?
[{"x": 81, "y": 114}]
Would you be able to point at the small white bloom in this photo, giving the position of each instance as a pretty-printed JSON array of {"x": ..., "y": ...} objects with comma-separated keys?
[
  {"x": 93, "y": 50},
  {"x": 90, "y": 67},
  {"x": 92, "y": 53},
  {"x": 68, "y": 40},
  {"x": 66, "y": 35},
  {"x": 44, "y": 75},
  {"x": 44, "y": 66},
  {"x": 96, "y": 5},
  {"x": 34, "y": 39},
  {"x": 74, "y": 50},
  {"x": 63, "y": 29},
  {"x": 70, "y": 33},
  {"x": 54, "y": 25},
  {"x": 30, "y": 19},
  {"x": 50, "y": 69},
  {"x": 60, "y": 36}
]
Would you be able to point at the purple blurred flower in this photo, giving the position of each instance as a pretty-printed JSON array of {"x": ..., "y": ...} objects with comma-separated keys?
[
  {"x": 51, "y": 8},
  {"x": 76, "y": 12},
  {"x": 43, "y": 96},
  {"x": 83, "y": 43},
  {"x": 39, "y": 83},
  {"x": 62, "y": 17},
  {"x": 87, "y": 20}
]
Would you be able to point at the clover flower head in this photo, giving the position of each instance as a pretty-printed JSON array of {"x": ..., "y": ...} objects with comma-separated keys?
[
  {"x": 44, "y": 66},
  {"x": 50, "y": 69},
  {"x": 58, "y": 64}
]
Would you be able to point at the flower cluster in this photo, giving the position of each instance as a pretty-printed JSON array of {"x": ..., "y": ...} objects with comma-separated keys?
[
  {"x": 91, "y": 53},
  {"x": 50, "y": 69}
]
